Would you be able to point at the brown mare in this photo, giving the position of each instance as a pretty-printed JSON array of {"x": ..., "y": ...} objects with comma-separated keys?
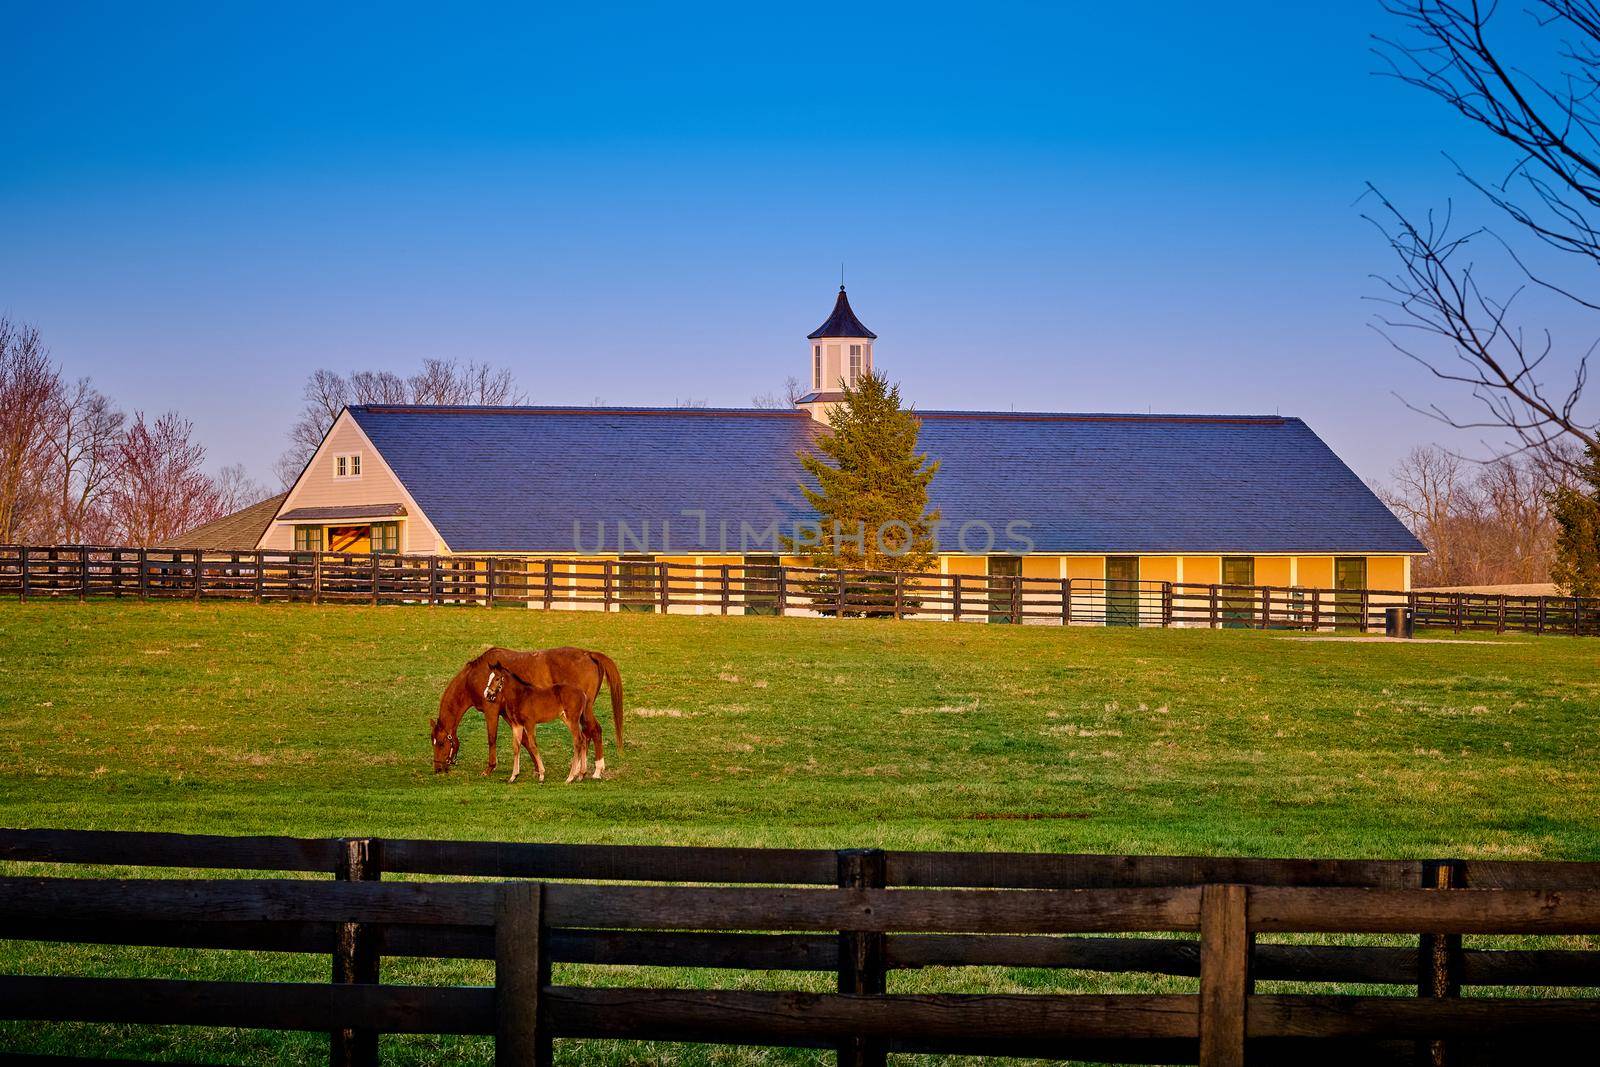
[
  {"x": 526, "y": 705},
  {"x": 576, "y": 667}
]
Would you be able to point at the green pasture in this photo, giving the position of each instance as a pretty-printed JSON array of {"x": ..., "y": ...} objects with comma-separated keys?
[{"x": 755, "y": 731}]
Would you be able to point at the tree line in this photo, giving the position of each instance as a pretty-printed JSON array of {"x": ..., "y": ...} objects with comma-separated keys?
[
  {"x": 74, "y": 468},
  {"x": 77, "y": 469}
]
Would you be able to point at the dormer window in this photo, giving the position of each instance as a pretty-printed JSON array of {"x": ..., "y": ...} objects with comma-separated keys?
[{"x": 347, "y": 466}]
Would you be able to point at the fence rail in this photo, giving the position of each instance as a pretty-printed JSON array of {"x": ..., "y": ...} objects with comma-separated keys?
[
  {"x": 79, "y": 572},
  {"x": 862, "y": 914}
]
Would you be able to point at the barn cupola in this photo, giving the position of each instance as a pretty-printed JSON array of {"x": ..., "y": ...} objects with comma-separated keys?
[{"x": 840, "y": 352}]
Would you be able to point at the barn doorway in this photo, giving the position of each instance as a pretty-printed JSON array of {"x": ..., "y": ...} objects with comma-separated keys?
[{"x": 1122, "y": 590}]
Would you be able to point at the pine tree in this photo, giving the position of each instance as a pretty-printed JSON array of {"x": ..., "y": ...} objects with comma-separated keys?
[
  {"x": 1576, "y": 568},
  {"x": 872, "y": 485}
]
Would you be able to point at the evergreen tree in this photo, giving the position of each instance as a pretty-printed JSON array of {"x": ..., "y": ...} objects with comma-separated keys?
[
  {"x": 872, "y": 485},
  {"x": 1577, "y": 551}
]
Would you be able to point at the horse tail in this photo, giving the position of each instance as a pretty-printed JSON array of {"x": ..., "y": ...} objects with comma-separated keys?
[{"x": 608, "y": 667}]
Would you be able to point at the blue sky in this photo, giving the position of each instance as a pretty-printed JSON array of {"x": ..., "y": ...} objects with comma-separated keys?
[{"x": 1057, "y": 206}]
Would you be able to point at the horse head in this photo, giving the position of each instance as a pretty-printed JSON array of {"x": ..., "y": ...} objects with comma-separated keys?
[
  {"x": 446, "y": 745},
  {"x": 495, "y": 683}
]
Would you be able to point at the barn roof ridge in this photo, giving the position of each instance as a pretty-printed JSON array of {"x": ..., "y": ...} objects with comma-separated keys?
[{"x": 931, "y": 413}]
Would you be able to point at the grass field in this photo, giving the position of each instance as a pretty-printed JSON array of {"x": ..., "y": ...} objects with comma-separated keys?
[{"x": 313, "y": 721}]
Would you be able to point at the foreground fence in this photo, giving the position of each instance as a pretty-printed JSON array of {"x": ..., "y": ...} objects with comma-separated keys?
[
  {"x": 85, "y": 572},
  {"x": 861, "y": 915}
]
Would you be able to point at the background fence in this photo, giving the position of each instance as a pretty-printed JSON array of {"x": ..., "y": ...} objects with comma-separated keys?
[
  {"x": 87, "y": 572},
  {"x": 861, "y": 915}
]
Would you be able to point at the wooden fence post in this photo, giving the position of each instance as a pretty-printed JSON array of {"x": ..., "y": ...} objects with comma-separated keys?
[
  {"x": 1215, "y": 621},
  {"x": 355, "y": 955},
  {"x": 955, "y": 606},
  {"x": 662, "y": 590},
  {"x": 316, "y": 578},
  {"x": 1224, "y": 974},
  {"x": 1166, "y": 604},
  {"x": 840, "y": 605},
  {"x": 259, "y": 577},
  {"x": 1266, "y": 607},
  {"x": 783, "y": 590},
  {"x": 488, "y": 582},
  {"x": 549, "y": 583},
  {"x": 199, "y": 570},
  {"x": 144, "y": 572},
  {"x": 862, "y": 953},
  {"x": 1016, "y": 599},
  {"x": 83, "y": 573},
  {"x": 725, "y": 590},
  {"x": 1066, "y": 602},
  {"x": 1439, "y": 959},
  {"x": 22, "y": 565},
  {"x": 521, "y": 972},
  {"x": 376, "y": 579}
]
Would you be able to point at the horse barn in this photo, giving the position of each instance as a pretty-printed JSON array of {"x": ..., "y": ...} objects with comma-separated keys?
[{"x": 1087, "y": 501}]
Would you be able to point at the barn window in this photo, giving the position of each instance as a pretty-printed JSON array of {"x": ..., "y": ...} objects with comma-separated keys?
[
  {"x": 308, "y": 539},
  {"x": 386, "y": 537},
  {"x": 816, "y": 366},
  {"x": 347, "y": 466},
  {"x": 855, "y": 363}
]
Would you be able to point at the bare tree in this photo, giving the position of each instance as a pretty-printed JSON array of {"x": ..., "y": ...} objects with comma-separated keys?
[
  {"x": 377, "y": 387},
  {"x": 83, "y": 438},
  {"x": 439, "y": 382},
  {"x": 1483, "y": 524},
  {"x": 236, "y": 489},
  {"x": 161, "y": 489},
  {"x": 1442, "y": 316},
  {"x": 29, "y": 384},
  {"x": 445, "y": 382},
  {"x": 771, "y": 401},
  {"x": 1426, "y": 494}
]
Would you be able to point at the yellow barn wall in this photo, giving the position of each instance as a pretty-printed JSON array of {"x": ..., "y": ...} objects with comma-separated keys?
[
  {"x": 1041, "y": 566},
  {"x": 1386, "y": 572},
  {"x": 1272, "y": 570},
  {"x": 1159, "y": 569},
  {"x": 1086, "y": 566},
  {"x": 965, "y": 564},
  {"x": 1316, "y": 572},
  {"x": 1204, "y": 570}
]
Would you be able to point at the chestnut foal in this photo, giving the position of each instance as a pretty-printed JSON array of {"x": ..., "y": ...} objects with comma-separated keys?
[{"x": 526, "y": 705}]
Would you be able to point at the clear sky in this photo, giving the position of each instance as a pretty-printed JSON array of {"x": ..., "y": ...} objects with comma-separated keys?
[{"x": 1040, "y": 206}]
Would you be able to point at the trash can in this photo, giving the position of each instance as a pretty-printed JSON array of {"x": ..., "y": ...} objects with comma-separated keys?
[{"x": 1397, "y": 622}]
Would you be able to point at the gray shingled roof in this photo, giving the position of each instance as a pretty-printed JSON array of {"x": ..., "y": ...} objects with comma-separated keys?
[
  {"x": 516, "y": 479},
  {"x": 238, "y": 532}
]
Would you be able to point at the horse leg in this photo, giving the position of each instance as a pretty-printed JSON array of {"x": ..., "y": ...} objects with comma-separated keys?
[
  {"x": 530, "y": 740},
  {"x": 580, "y": 751},
  {"x": 591, "y": 730},
  {"x": 491, "y": 718},
  {"x": 516, "y": 752}
]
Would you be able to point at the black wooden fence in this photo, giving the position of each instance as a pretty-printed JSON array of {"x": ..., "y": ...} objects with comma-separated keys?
[
  {"x": 862, "y": 915},
  {"x": 88, "y": 572}
]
